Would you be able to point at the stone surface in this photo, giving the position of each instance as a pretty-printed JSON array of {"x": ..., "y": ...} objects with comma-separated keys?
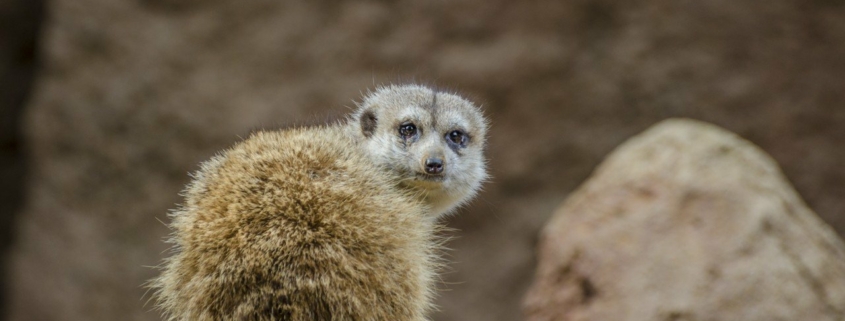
[
  {"x": 133, "y": 94},
  {"x": 687, "y": 222}
]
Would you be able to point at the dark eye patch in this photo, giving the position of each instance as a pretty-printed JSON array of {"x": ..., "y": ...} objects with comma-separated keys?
[
  {"x": 457, "y": 139},
  {"x": 407, "y": 130}
]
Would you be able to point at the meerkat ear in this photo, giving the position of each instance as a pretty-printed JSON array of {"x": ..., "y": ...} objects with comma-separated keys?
[{"x": 368, "y": 123}]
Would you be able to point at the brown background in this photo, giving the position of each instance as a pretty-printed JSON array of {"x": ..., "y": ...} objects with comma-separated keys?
[{"x": 130, "y": 95}]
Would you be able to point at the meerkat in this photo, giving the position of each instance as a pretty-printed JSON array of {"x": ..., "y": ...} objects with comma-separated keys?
[{"x": 334, "y": 222}]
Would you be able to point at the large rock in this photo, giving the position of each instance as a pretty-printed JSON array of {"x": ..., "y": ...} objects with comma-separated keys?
[{"x": 688, "y": 222}]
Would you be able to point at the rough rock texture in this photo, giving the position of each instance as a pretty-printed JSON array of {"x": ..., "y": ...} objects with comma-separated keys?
[
  {"x": 133, "y": 94},
  {"x": 687, "y": 222}
]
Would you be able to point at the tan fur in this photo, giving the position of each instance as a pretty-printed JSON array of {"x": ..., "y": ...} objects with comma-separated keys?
[{"x": 299, "y": 225}]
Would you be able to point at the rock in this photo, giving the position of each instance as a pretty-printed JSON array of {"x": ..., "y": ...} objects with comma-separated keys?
[{"x": 687, "y": 222}]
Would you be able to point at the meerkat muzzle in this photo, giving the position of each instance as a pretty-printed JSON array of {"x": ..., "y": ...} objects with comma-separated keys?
[{"x": 434, "y": 166}]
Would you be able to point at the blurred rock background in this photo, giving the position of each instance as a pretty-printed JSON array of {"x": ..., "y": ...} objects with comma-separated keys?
[
  {"x": 20, "y": 21},
  {"x": 129, "y": 95}
]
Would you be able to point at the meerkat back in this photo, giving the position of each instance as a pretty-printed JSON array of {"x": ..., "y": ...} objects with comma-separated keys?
[{"x": 297, "y": 225}]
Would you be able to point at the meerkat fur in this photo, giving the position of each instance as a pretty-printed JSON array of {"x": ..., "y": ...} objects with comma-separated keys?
[
  {"x": 439, "y": 118},
  {"x": 326, "y": 223}
]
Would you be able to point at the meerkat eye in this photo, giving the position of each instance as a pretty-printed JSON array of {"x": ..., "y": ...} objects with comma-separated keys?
[
  {"x": 458, "y": 138},
  {"x": 407, "y": 130}
]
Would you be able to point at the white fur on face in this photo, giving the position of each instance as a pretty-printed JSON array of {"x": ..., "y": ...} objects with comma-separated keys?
[{"x": 435, "y": 115}]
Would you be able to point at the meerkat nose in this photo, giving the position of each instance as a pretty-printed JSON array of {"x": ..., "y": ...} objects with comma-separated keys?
[{"x": 434, "y": 165}]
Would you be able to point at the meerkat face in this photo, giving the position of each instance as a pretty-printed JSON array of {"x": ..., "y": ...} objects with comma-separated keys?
[{"x": 433, "y": 140}]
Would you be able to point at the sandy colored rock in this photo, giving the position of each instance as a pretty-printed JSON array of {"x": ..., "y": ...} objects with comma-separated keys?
[{"x": 687, "y": 222}]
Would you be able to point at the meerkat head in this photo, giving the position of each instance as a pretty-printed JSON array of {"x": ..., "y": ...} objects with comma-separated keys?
[{"x": 433, "y": 140}]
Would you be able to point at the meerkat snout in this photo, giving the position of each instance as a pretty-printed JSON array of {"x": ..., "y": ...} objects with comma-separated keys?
[{"x": 434, "y": 165}]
